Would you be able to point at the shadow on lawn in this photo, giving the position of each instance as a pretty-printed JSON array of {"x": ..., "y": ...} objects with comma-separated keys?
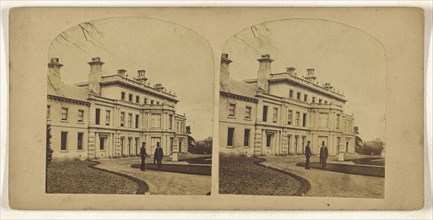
[{"x": 177, "y": 168}]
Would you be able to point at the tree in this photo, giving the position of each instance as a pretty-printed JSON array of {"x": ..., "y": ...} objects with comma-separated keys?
[
  {"x": 208, "y": 145},
  {"x": 49, "y": 150}
]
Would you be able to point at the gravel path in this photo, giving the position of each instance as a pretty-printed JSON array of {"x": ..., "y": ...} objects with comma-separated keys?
[
  {"x": 328, "y": 183},
  {"x": 159, "y": 182}
]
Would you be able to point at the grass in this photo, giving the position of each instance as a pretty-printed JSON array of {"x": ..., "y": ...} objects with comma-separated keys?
[
  {"x": 77, "y": 177},
  {"x": 239, "y": 175}
]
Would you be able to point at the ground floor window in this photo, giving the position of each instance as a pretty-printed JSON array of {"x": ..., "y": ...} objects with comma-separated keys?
[
  {"x": 247, "y": 138},
  {"x": 101, "y": 143},
  {"x": 230, "y": 136},
  {"x": 269, "y": 140},
  {"x": 80, "y": 141},
  {"x": 64, "y": 140}
]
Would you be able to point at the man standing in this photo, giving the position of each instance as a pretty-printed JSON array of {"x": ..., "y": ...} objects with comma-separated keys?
[
  {"x": 143, "y": 155},
  {"x": 307, "y": 155},
  {"x": 158, "y": 155},
  {"x": 323, "y": 154}
]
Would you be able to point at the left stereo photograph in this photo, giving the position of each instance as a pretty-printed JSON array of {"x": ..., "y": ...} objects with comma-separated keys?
[{"x": 129, "y": 109}]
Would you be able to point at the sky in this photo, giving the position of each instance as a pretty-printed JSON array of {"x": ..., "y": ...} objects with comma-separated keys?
[
  {"x": 171, "y": 54},
  {"x": 353, "y": 61}
]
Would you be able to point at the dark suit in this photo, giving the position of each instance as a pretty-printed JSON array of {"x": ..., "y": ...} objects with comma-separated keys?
[
  {"x": 323, "y": 155},
  {"x": 158, "y": 156},
  {"x": 143, "y": 155},
  {"x": 307, "y": 156}
]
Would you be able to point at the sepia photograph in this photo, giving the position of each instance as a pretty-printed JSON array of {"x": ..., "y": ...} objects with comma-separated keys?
[
  {"x": 302, "y": 111},
  {"x": 129, "y": 109}
]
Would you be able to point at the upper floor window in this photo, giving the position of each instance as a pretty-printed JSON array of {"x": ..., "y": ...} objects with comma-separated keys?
[
  {"x": 129, "y": 120},
  {"x": 320, "y": 101},
  {"x": 97, "y": 116},
  {"x": 298, "y": 96},
  {"x": 122, "y": 119},
  {"x": 151, "y": 102},
  {"x": 107, "y": 117},
  {"x": 304, "y": 119},
  {"x": 80, "y": 115},
  {"x": 337, "y": 126},
  {"x": 265, "y": 113},
  {"x": 275, "y": 115},
  {"x": 248, "y": 112},
  {"x": 297, "y": 118},
  {"x": 64, "y": 113},
  {"x": 122, "y": 95},
  {"x": 314, "y": 100},
  {"x": 289, "y": 117},
  {"x": 291, "y": 93},
  {"x": 305, "y": 97},
  {"x": 130, "y": 97},
  {"x": 232, "y": 109},
  {"x": 170, "y": 122},
  {"x": 145, "y": 100},
  {"x": 137, "y": 99}
]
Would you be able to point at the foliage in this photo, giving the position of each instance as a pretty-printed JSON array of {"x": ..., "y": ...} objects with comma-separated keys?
[
  {"x": 201, "y": 147},
  {"x": 370, "y": 148},
  {"x": 49, "y": 150}
]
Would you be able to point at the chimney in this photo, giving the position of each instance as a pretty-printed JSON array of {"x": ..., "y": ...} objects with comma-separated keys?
[
  {"x": 54, "y": 72},
  {"x": 121, "y": 72},
  {"x": 141, "y": 76},
  {"x": 95, "y": 75},
  {"x": 224, "y": 71},
  {"x": 290, "y": 70},
  {"x": 264, "y": 71},
  {"x": 159, "y": 87},
  {"x": 310, "y": 75}
]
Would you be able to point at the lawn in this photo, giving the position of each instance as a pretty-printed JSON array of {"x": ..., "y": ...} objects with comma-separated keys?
[
  {"x": 239, "y": 175},
  {"x": 77, "y": 177}
]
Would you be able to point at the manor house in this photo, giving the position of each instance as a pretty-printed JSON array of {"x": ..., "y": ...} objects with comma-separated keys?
[
  {"x": 277, "y": 113},
  {"x": 111, "y": 115}
]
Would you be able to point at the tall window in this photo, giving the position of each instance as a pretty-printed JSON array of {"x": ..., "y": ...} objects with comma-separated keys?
[
  {"x": 247, "y": 137},
  {"x": 101, "y": 143},
  {"x": 275, "y": 115},
  {"x": 80, "y": 141},
  {"x": 80, "y": 115},
  {"x": 296, "y": 142},
  {"x": 107, "y": 117},
  {"x": 298, "y": 96},
  {"x": 337, "y": 126},
  {"x": 48, "y": 111},
  {"x": 265, "y": 113},
  {"x": 304, "y": 119},
  {"x": 137, "y": 117},
  {"x": 170, "y": 121},
  {"x": 290, "y": 117},
  {"x": 156, "y": 120},
  {"x": 122, "y": 95},
  {"x": 137, "y": 99},
  {"x": 130, "y": 98},
  {"x": 129, "y": 120},
  {"x": 268, "y": 140},
  {"x": 122, "y": 119},
  {"x": 129, "y": 145},
  {"x": 230, "y": 136},
  {"x": 314, "y": 100},
  {"x": 97, "y": 116},
  {"x": 291, "y": 93},
  {"x": 297, "y": 118},
  {"x": 248, "y": 112},
  {"x": 64, "y": 140},
  {"x": 145, "y": 100},
  {"x": 137, "y": 146},
  {"x": 64, "y": 113},
  {"x": 305, "y": 97},
  {"x": 232, "y": 109}
]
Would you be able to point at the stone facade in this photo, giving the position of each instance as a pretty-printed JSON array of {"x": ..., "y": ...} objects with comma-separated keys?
[
  {"x": 277, "y": 113},
  {"x": 110, "y": 116}
]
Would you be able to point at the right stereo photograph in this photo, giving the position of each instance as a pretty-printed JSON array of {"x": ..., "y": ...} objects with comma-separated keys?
[{"x": 302, "y": 111}]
